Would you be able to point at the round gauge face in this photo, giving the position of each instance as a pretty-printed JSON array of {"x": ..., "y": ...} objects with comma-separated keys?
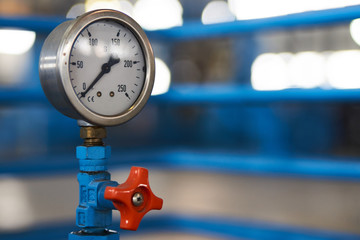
[{"x": 107, "y": 67}]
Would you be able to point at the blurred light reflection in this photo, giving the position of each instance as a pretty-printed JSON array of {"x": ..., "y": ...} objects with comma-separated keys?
[
  {"x": 15, "y": 209},
  {"x": 278, "y": 71},
  {"x": 355, "y": 30},
  {"x": 158, "y": 14},
  {"x": 245, "y": 9},
  {"x": 307, "y": 70},
  {"x": 343, "y": 70},
  {"x": 16, "y": 42},
  {"x": 269, "y": 72},
  {"x": 119, "y": 5},
  {"x": 75, "y": 11},
  {"x": 216, "y": 12},
  {"x": 162, "y": 78}
]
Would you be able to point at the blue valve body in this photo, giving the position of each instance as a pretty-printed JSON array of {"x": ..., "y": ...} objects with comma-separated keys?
[
  {"x": 94, "y": 213},
  {"x": 90, "y": 213}
]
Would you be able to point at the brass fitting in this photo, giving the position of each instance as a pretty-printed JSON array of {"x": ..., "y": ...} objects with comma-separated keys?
[{"x": 93, "y": 135}]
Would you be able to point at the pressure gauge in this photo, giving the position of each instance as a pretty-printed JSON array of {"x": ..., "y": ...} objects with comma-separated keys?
[{"x": 98, "y": 68}]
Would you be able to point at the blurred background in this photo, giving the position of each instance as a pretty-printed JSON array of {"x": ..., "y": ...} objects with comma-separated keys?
[{"x": 252, "y": 132}]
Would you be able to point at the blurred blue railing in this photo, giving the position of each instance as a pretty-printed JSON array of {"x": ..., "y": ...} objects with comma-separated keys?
[
  {"x": 233, "y": 95},
  {"x": 214, "y": 227},
  {"x": 196, "y": 30},
  {"x": 210, "y": 95},
  {"x": 206, "y": 95},
  {"x": 191, "y": 31},
  {"x": 197, "y": 160}
]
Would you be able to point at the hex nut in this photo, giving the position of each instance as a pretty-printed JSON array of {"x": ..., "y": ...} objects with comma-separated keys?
[{"x": 94, "y": 152}]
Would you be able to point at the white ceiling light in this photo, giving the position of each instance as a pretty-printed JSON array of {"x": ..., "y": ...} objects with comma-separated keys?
[
  {"x": 269, "y": 72},
  {"x": 16, "y": 41},
  {"x": 343, "y": 70},
  {"x": 307, "y": 70},
  {"x": 216, "y": 12},
  {"x": 158, "y": 14},
  {"x": 15, "y": 209},
  {"x": 355, "y": 30},
  {"x": 162, "y": 78},
  {"x": 252, "y": 9},
  {"x": 120, "y": 5}
]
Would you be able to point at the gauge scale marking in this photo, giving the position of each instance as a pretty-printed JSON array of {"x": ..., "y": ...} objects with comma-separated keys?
[
  {"x": 98, "y": 68},
  {"x": 104, "y": 67}
]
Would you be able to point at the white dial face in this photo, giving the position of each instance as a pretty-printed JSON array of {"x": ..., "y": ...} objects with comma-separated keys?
[{"x": 107, "y": 67}]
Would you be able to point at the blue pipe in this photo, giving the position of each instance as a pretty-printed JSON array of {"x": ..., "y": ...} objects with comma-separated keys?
[
  {"x": 43, "y": 25},
  {"x": 207, "y": 95},
  {"x": 234, "y": 95},
  {"x": 196, "y": 30},
  {"x": 214, "y": 161},
  {"x": 210, "y": 226},
  {"x": 94, "y": 213}
]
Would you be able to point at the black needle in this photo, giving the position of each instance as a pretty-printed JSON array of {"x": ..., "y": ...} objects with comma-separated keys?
[
  {"x": 105, "y": 68},
  {"x": 127, "y": 95}
]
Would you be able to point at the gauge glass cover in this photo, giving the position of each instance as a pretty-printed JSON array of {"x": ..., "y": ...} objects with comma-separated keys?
[{"x": 107, "y": 67}]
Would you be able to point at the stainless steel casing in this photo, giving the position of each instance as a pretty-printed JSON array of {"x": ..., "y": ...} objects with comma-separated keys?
[{"x": 54, "y": 68}]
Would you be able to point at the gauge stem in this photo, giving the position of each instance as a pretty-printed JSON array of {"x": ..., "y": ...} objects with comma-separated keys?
[{"x": 93, "y": 135}]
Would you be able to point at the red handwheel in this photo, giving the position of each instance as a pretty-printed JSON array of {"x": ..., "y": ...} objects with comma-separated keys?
[{"x": 133, "y": 198}]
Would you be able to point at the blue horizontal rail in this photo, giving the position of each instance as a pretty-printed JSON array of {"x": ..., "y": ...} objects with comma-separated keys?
[
  {"x": 197, "y": 160},
  {"x": 222, "y": 94},
  {"x": 197, "y": 30},
  {"x": 235, "y": 228},
  {"x": 21, "y": 96},
  {"x": 207, "y": 95},
  {"x": 214, "y": 227},
  {"x": 43, "y": 25}
]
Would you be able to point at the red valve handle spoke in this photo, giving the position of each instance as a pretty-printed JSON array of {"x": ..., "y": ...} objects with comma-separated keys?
[{"x": 133, "y": 198}]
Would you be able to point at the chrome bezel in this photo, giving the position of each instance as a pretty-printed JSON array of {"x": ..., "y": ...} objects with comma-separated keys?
[{"x": 64, "y": 87}]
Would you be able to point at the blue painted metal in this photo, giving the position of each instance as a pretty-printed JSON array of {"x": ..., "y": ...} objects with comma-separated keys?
[
  {"x": 196, "y": 30},
  {"x": 185, "y": 95},
  {"x": 90, "y": 213},
  {"x": 235, "y": 228},
  {"x": 94, "y": 213},
  {"x": 235, "y": 95},
  {"x": 107, "y": 235},
  {"x": 38, "y": 24},
  {"x": 93, "y": 159},
  {"x": 21, "y": 96},
  {"x": 190, "y": 31},
  {"x": 209, "y": 226},
  {"x": 221, "y": 161}
]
